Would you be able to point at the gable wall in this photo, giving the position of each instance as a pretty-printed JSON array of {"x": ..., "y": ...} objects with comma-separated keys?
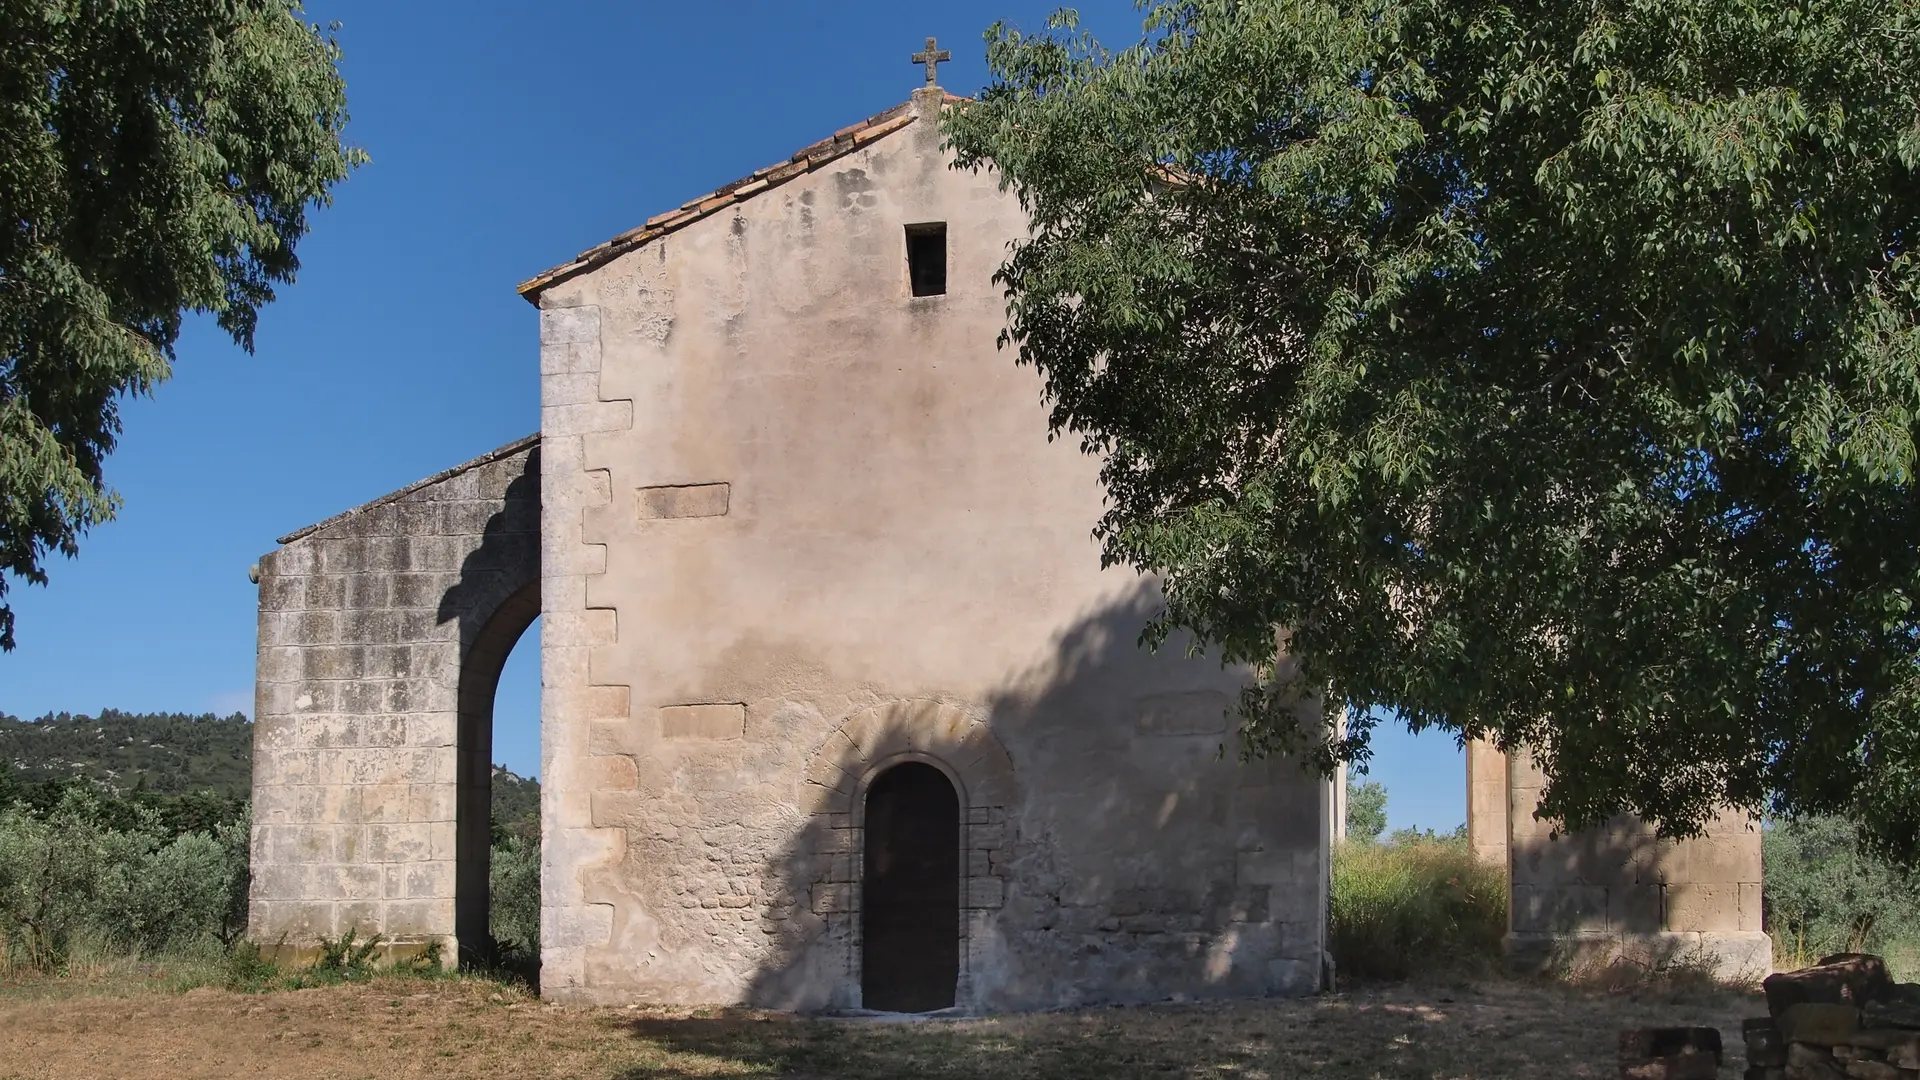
[{"x": 899, "y": 566}]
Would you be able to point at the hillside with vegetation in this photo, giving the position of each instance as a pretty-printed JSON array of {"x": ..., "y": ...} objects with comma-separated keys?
[{"x": 169, "y": 753}]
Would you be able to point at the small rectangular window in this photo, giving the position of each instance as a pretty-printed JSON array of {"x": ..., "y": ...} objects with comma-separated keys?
[{"x": 927, "y": 258}]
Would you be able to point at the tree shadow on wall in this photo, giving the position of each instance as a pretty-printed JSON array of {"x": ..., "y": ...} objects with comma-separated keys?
[
  {"x": 1104, "y": 814},
  {"x": 1596, "y": 907}
]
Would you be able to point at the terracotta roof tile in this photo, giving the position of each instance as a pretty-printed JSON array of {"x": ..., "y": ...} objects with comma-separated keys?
[{"x": 842, "y": 142}]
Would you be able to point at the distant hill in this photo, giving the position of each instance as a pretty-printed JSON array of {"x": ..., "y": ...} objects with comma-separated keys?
[{"x": 166, "y": 753}]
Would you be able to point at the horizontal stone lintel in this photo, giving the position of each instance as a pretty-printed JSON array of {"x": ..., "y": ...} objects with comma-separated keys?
[
  {"x": 682, "y": 501},
  {"x": 714, "y": 721}
]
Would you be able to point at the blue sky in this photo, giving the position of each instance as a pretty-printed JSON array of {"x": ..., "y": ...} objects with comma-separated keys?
[{"x": 505, "y": 138}]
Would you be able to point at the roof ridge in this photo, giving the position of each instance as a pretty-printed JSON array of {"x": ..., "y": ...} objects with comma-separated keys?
[
  {"x": 489, "y": 457},
  {"x": 806, "y": 159}
]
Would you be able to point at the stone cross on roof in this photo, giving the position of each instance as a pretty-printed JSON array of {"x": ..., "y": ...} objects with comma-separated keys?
[{"x": 933, "y": 57}]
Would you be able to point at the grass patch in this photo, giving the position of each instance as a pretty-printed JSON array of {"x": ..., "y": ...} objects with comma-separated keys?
[
  {"x": 104, "y": 970},
  {"x": 1412, "y": 907}
]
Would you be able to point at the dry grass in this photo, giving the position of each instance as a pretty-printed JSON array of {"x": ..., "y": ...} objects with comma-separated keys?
[{"x": 399, "y": 1028}]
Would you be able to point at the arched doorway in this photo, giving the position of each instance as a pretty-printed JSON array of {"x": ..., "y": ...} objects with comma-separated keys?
[
  {"x": 480, "y": 669},
  {"x": 910, "y": 900}
]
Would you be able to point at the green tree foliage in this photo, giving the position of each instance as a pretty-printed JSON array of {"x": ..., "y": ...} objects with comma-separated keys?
[
  {"x": 1366, "y": 811},
  {"x": 513, "y": 887},
  {"x": 516, "y": 806},
  {"x": 1549, "y": 371},
  {"x": 155, "y": 158},
  {"x": 514, "y": 897},
  {"x": 1824, "y": 895}
]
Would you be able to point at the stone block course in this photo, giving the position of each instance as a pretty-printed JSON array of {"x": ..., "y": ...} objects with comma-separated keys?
[
  {"x": 1700, "y": 906},
  {"x": 719, "y": 721}
]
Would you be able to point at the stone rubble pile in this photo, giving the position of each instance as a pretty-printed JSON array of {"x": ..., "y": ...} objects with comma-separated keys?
[{"x": 1843, "y": 1018}]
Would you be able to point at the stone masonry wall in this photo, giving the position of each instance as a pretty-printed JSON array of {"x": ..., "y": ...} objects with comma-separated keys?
[
  {"x": 381, "y": 636},
  {"x": 1487, "y": 801},
  {"x": 1623, "y": 889}
]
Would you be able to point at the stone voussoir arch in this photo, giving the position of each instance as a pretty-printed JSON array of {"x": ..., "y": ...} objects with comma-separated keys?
[
  {"x": 843, "y": 767},
  {"x": 942, "y": 734}
]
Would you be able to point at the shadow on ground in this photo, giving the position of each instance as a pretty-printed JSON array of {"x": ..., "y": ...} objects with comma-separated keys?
[{"x": 1486, "y": 1030}]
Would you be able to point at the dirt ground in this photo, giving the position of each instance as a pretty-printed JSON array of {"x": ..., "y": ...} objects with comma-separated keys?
[{"x": 392, "y": 1029}]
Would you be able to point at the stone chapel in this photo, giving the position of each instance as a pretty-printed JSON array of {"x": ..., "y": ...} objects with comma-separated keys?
[{"x": 839, "y": 708}]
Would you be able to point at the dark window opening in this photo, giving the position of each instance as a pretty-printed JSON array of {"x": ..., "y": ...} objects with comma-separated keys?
[
  {"x": 910, "y": 909},
  {"x": 927, "y": 258}
]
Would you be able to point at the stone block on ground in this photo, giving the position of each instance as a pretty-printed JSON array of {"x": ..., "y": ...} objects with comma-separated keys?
[
  {"x": 1677, "y": 1067},
  {"x": 1819, "y": 1024},
  {"x": 1898, "y": 1007},
  {"x": 1822, "y": 1068},
  {"x": 1886, "y": 1040},
  {"x": 1844, "y": 979},
  {"x": 1863, "y": 1069},
  {"x": 1766, "y": 1048},
  {"x": 1903, "y": 1051},
  {"x": 1640, "y": 1044},
  {"x": 1759, "y": 1072}
]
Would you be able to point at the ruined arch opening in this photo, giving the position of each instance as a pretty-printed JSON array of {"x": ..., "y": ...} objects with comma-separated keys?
[
  {"x": 481, "y": 664},
  {"x": 910, "y": 891}
]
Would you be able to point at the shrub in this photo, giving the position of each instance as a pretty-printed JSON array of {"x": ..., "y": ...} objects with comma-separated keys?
[
  {"x": 67, "y": 875},
  {"x": 1823, "y": 895},
  {"x": 1417, "y": 905},
  {"x": 515, "y": 889}
]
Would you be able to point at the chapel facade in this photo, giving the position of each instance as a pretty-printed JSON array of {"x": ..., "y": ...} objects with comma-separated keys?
[{"x": 840, "y": 709}]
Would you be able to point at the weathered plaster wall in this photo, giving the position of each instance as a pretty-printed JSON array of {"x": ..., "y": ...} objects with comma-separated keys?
[
  {"x": 800, "y": 525},
  {"x": 382, "y": 633}
]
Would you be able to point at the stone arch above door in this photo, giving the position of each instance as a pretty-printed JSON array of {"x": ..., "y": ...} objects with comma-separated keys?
[
  {"x": 941, "y": 733},
  {"x": 368, "y": 623},
  {"x": 840, "y": 770}
]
